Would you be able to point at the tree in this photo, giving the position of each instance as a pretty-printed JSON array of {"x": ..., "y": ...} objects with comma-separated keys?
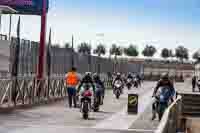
[
  {"x": 84, "y": 48},
  {"x": 100, "y": 50},
  {"x": 131, "y": 50},
  {"x": 149, "y": 51},
  {"x": 117, "y": 51},
  {"x": 56, "y": 46},
  {"x": 196, "y": 56},
  {"x": 165, "y": 53},
  {"x": 67, "y": 45},
  {"x": 182, "y": 53},
  {"x": 171, "y": 53}
]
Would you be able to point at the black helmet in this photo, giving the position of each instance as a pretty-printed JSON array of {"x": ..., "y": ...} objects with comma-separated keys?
[{"x": 165, "y": 76}]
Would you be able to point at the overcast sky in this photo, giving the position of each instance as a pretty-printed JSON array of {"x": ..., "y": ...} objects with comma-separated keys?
[{"x": 163, "y": 23}]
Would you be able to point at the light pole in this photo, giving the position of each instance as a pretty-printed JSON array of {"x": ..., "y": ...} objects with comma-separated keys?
[
  {"x": 42, "y": 42},
  {"x": 72, "y": 50}
]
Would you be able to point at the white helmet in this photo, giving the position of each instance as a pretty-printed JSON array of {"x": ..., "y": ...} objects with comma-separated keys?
[{"x": 88, "y": 73}]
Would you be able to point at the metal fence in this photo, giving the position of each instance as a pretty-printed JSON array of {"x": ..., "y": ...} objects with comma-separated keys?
[
  {"x": 28, "y": 90},
  {"x": 61, "y": 59}
]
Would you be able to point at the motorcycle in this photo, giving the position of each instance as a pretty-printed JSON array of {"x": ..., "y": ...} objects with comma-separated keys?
[
  {"x": 97, "y": 98},
  {"x": 117, "y": 89},
  {"x": 86, "y": 102},
  {"x": 135, "y": 82},
  {"x": 129, "y": 83},
  {"x": 163, "y": 97}
]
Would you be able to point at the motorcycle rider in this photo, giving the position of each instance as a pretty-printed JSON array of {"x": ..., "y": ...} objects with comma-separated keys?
[
  {"x": 164, "y": 81},
  {"x": 135, "y": 80},
  {"x": 198, "y": 84},
  {"x": 194, "y": 79},
  {"x": 97, "y": 80},
  {"x": 139, "y": 79},
  {"x": 87, "y": 79},
  {"x": 118, "y": 78},
  {"x": 130, "y": 76}
]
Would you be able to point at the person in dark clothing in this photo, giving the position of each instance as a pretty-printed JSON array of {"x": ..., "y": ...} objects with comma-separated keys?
[
  {"x": 129, "y": 79},
  {"x": 164, "y": 81},
  {"x": 194, "y": 83},
  {"x": 118, "y": 78},
  {"x": 130, "y": 76},
  {"x": 139, "y": 79},
  {"x": 88, "y": 80},
  {"x": 98, "y": 81}
]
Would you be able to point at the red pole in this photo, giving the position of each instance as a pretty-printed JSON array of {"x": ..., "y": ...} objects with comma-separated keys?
[{"x": 42, "y": 42}]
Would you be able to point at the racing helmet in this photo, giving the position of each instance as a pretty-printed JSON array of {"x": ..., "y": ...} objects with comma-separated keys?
[
  {"x": 95, "y": 76},
  {"x": 118, "y": 74},
  {"x": 165, "y": 76},
  {"x": 88, "y": 74}
]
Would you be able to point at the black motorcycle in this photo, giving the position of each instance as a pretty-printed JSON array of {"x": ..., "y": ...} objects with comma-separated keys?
[
  {"x": 86, "y": 102},
  {"x": 129, "y": 83}
]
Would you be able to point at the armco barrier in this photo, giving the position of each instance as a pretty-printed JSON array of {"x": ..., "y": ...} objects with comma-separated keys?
[{"x": 171, "y": 120}]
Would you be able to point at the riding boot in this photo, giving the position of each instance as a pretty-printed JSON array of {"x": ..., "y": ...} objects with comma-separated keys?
[
  {"x": 153, "y": 115},
  {"x": 102, "y": 100},
  {"x": 153, "y": 111}
]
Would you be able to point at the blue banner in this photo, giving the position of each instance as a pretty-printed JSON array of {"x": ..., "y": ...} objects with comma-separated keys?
[{"x": 29, "y": 7}]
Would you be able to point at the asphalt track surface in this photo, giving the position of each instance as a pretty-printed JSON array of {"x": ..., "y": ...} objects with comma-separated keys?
[{"x": 59, "y": 118}]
